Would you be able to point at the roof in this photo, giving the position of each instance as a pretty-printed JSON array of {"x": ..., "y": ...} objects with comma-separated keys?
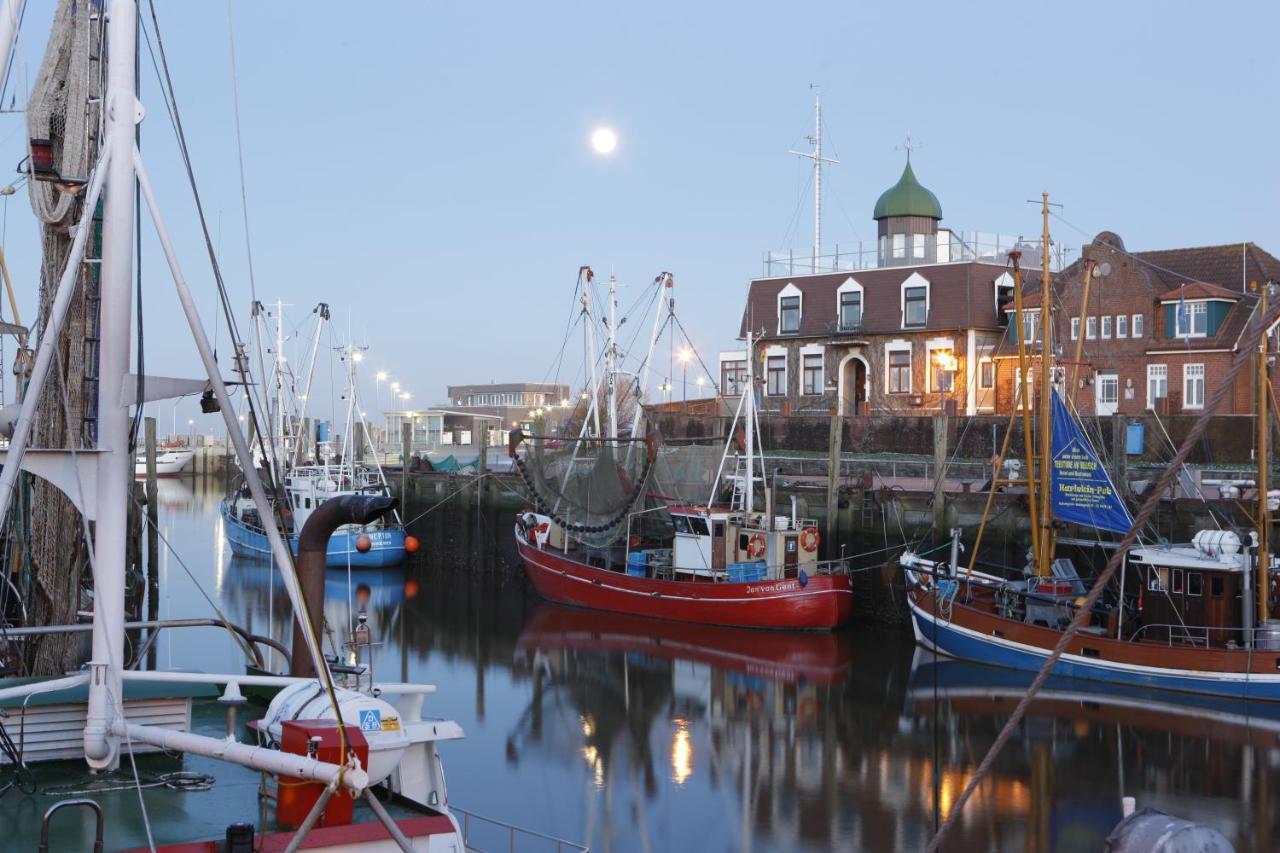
[
  {"x": 907, "y": 198},
  {"x": 961, "y": 297},
  {"x": 1230, "y": 266},
  {"x": 1199, "y": 290}
]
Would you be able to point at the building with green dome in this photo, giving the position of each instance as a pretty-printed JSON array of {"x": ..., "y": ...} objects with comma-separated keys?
[{"x": 907, "y": 216}]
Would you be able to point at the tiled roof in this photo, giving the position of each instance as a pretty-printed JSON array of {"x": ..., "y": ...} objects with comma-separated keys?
[
  {"x": 1199, "y": 290},
  {"x": 1231, "y": 266}
]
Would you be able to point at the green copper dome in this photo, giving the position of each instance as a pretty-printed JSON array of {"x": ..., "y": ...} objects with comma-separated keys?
[{"x": 907, "y": 198}]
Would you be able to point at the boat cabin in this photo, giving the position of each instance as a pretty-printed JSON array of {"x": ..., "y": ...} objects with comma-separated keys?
[{"x": 717, "y": 544}]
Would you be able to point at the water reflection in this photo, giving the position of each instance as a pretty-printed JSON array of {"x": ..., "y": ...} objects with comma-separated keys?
[{"x": 633, "y": 734}]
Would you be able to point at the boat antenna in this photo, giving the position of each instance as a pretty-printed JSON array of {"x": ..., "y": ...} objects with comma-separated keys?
[{"x": 815, "y": 154}]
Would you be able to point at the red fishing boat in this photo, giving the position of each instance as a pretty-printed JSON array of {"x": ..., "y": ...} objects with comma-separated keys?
[{"x": 596, "y": 537}]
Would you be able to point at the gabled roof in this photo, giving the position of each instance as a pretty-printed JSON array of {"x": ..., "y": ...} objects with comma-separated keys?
[{"x": 1231, "y": 266}]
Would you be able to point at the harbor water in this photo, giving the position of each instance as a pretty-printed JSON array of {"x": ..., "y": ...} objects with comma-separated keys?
[{"x": 631, "y": 734}]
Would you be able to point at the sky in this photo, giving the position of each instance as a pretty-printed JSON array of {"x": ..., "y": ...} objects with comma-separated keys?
[{"x": 425, "y": 168}]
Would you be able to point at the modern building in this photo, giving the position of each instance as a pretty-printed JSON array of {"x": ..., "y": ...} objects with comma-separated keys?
[
  {"x": 913, "y": 329},
  {"x": 495, "y": 407},
  {"x": 515, "y": 403}
]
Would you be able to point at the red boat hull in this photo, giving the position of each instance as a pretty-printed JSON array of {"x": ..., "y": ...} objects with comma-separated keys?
[{"x": 823, "y": 603}]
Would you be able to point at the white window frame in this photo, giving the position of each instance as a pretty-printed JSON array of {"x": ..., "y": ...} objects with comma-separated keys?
[
  {"x": 917, "y": 246},
  {"x": 1017, "y": 387},
  {"x": 777, "y": 352},
  {"x": 1075, "y": 328},
  {"x": 790, "y": 290},
  {"x": 1191, "y": 372},
  {"x": 899, "y": 346},
  {"x": 930, "y": 346},
  {"x": 1157, "y": 373},
  {"x": 1135, "y": 328},
  {"x": 1106, "y": 327},
  {"x": 1104, "y": 379},
  {"x": 899, "y": 244},
  {"x": 739, "y": 357},
  {"x": 984, "y": 363},
  {"x": 914, "y": 280},
  {"x": 1195, "y": 308},
  {"x": 850, "y": 286},
  {"x": 1091, "y": 328},
  {"x": 1122, "y": 325},
  {"x": 820, "y": 351}
]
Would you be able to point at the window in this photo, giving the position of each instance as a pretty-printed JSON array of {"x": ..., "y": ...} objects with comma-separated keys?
[
  {"x": 1017, "y": 385},
  {"x": 733, "y": 377},
  {"x": 1091, "y": 328},
  {"x": 1075, "y": 328},
  {"x": 1031, "y": 324},
  {"x": 813, "y": 373},
  {"x": 1106, "y": 327},
  {"x": 777, "y": 372},
  {"x": 1192, "y": 319},
  {"x": 1195, "y": 583},
  {"x": 850, "y": 310},
  {"x": 915, "y": 306},
  {"x": 1157, "y": 383},
  {"x": 1122, "y": 325},
  {"x": 1159, "y": 580},
  {"x": 1193, "y": 386},
  {"x": 1176, "y": 586},
  {"x": 1108, "y": 389},
  {"x": 899, "y": 245},
  {"x": 917, "y": 245},
  {"x": 789, "y": 315},
  {"x": 1216, "y": 585},
  {"x": 987, "y": 374},
  {"x": 900, "y": 371},
  {"x": 1137, "y": 326}
]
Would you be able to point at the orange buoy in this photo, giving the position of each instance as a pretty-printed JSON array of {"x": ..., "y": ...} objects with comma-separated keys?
[
  {"x": 363, "y": 543},
  {"x": 411, "y": 588},
  {"x": 411, "y": 544}
]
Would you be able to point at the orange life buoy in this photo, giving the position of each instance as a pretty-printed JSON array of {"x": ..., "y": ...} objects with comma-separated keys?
[
  {"x": 807, "y": 710},
  {"x": 756, "y": 545},
  {"x": 809, "y": 539}
]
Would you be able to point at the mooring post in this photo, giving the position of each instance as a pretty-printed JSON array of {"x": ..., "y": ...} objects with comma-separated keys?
[
  {"x": 833, "y": 480},
  {"x": 406, "y": 444},
  {"x": 480, "y": 435},
  {"x": 939, "y": 471},
  {"x": 1119, "y": 454},
  {"x": 153, "y": 535}
]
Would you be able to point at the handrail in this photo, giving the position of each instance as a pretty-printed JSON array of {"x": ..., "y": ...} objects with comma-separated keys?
[{"x": 513, "y": 831}]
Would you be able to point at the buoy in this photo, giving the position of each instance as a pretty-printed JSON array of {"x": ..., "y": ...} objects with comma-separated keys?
[
  {"x": 411, "y": 588},
  {"x": 411, "y": 544},
  {"x": 363, "y": 543}
]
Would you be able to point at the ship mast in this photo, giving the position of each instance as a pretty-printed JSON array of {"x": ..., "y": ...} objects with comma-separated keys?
[
  {"x": 816, "y": 156},
  {"x": 611, "y": 360},
  {"x": 1024, "y": 403},
  {"x": 1264, "y": 427},
  {"x": 1045, "y": 558},
  {"x": 749, "y": 424}
]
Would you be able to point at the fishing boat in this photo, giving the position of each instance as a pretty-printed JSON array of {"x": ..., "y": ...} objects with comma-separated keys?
[
  {"x": 1196, "y": 617},
  {"x": 171, "y": 461},
  {"x": 719, "y": 562}
]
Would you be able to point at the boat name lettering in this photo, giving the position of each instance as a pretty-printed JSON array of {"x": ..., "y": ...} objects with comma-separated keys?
[{"x": 785, "y": 586}]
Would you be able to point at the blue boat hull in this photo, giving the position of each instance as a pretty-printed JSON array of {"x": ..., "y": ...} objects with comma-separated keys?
[
  {"x": 387, "y": 545},
  {"x": 955, "y": 641}
]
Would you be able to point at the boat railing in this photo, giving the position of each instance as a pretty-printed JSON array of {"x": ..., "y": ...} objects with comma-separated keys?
[
  {"x": 498, "y": 834},
  {"x": 1198, "y": 635}
]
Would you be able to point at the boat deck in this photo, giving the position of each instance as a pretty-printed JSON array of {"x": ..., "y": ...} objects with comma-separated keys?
[{"x": 176, "y": 815}]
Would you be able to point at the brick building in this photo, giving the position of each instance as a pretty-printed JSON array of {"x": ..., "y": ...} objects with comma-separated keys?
[
  {"x": 914, "y": 329},
  {"x": 1160, "y": 330}
]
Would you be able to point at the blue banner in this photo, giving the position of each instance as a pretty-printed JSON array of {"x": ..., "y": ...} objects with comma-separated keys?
[{"x": 1081, "y": 492}]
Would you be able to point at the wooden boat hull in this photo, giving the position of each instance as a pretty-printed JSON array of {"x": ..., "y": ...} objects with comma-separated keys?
[
  {"x": 969, "y": 633},
  {"x": 386, "y": 545},
  {"x": 814, "y": 603}
]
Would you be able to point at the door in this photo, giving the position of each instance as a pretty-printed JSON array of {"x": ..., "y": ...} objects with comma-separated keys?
[
  {"x": 791, "y": 554},
  {"x": 717, "y": 546},
  {"x": 1106, "y": 388}
]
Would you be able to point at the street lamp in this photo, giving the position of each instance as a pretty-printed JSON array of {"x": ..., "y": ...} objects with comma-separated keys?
[
  {"x": 947, "y": 363},
  {"x": 379, "y": 378},
  {"x": 191, "y": 432},
  {"x": 685, "y": 355}
]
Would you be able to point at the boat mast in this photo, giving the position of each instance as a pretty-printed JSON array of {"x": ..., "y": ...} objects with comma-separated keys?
[
  {"x": 1024, "y": 403},
  {"x": 749, "y": 424},
  {"x": 611, "y": 358},
  {"x": 666, "y": 283},
  {"x": 816, "y": 156},
  {"x": 1264, "y": 428},
  {"x": 277, "y": 452},
  {"x": 1046, "y": 384},
  {"x": 593, "y": 410}
]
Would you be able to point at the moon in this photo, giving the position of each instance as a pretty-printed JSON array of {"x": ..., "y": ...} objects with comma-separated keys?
[{"x": 604, "y": 141}]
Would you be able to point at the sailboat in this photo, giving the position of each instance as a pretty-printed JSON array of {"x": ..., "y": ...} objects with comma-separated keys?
[
  {"x": 309, "y": 483},
  {"x": 1195, "y": 617},
  {"x": 734, "y": 562}
]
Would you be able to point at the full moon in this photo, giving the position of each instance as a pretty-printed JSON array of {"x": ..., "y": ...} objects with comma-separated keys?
[{"x": 604, "y": 140}]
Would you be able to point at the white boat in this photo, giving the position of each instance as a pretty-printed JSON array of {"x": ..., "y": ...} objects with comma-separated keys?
[{"x": 170, "y": 462}]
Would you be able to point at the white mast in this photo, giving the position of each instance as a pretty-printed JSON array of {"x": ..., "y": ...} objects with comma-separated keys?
[
  {"x": 816, "y": 156},
  {"x": 611, "y": 358},
  {"x": 667, "y": 283},
  {"x": 749, "y": 423},
  {"x": 277, "y": 452},
  {"x": 594, "y": 409},
  {"x": 115, "y": 462}
]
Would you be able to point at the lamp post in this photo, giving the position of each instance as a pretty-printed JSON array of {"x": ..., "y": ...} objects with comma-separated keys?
[
  {"x": 379, "y": 378},
  {"x": 191, "y": 432},
  {"x": 946, "y": 363},
  {"x": 684, "y": 356}
]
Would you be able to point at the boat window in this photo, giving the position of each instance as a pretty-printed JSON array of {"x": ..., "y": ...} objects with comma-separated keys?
[
  {"x": 719, "y": 529},
  {"x": 1177, "y": 580},
  {"x": 744, "y": 541},
  {"x": 699, "y": 526},
  {"x": 681, "y": 523},
  {"x": 1159, "y": 579},
  {"x": 1195, "y": 583},
  {"x": 307, "y": 503},
  {"x": 1215, "y": 584}
]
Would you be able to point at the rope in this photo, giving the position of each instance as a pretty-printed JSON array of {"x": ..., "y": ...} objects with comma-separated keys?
[{"x": 1085, "y": 610}]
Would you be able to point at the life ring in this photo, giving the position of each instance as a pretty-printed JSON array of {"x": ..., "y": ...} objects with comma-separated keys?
[
  {"x": 809, "y": 539},
  {"x": 756, "y": 546},
  {"x": 807, "y": 711}
]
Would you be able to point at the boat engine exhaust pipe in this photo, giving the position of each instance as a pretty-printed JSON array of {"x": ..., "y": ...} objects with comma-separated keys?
[{"x": 313, "y": 547}]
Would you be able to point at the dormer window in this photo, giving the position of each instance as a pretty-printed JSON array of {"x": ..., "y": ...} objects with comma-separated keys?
[
  {"x": 790, "y": 305},
  {"x": 1192, "y": 320},
  {"x": 915, "y": 301},
  {"x": 849, "y": 306}
]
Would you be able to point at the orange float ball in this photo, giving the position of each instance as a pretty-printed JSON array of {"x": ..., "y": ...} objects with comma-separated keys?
[
  {"x": 411, "y": 589},
  {"x": 363, "y": 543},
  {"x": 411, "y": 544}
]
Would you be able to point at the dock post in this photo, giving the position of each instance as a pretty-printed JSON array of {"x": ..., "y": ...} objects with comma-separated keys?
[
  {"x": 153, "y": 536},
  {"x": 939, "y": 472},
  {"x": 833, "y": 480},
  {"x": 1119, "y": 454},
  {"x": 406, "y": 445},
  {"x": 480, "y": 435}
]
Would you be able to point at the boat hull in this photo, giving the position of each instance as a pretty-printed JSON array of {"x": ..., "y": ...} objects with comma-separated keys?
[
  {"x": 386, "y": 549},
  {"x": 971, "y": 634},
  {"x": 822, "y": 602}
]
